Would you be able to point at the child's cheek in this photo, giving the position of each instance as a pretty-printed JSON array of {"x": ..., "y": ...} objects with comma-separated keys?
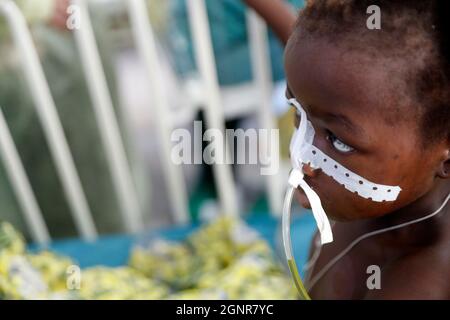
[{"x": 412, "y": 171}]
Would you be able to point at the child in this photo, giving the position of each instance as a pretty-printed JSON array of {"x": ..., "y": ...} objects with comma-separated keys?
[{"x": 379, "y": 101}]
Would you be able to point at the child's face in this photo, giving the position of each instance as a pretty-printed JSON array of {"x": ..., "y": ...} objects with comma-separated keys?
[{"x": 350, "y": 100}]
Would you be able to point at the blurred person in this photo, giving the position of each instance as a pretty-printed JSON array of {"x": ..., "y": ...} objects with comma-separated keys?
[
  {"x": 227, "y": 19},
  {"x": 231, "y": 48},
  {"x": 62, "y": 67}
]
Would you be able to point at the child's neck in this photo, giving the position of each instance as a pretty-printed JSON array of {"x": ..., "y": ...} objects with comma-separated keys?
[{"x": 425, "y": 205}]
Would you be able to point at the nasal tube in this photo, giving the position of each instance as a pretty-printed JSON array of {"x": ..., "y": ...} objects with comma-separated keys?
[{"x": 287, "y": 243}]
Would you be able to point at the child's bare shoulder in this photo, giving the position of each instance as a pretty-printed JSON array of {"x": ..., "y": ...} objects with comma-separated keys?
[{"x": 423, "y": 274}]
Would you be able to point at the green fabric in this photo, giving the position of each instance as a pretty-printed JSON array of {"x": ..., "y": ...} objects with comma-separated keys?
[{"x": 67, "y": 83}]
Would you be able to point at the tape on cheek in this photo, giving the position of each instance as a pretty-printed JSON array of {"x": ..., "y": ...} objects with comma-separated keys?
[
  {"x": 351, "y": 181},
  {"x": 296, "y": 178},
  {"x": 304, "y": 152}
]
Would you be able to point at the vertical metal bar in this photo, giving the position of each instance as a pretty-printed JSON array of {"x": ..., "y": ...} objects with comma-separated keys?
[
  {"x": 204, "y": 56},
  {"x": 145, "y": 41},
  {"x": 48, "y": 116},
  {"x": 262, "y": 73},
  {"x": 21, "y": 185},
  {"x": 107, "y": 122}
]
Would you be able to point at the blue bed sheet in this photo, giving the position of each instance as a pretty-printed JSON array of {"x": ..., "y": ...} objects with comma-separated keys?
[{"x": 113, "y": 251}]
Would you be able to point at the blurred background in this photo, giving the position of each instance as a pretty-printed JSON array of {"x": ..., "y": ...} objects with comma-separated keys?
[{"x": 86, "y": 127}]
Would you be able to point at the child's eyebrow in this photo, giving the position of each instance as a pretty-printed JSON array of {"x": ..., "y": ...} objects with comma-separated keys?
[
  {"x": 334, "y": 117},
  {"x": 344, "y": 120}
]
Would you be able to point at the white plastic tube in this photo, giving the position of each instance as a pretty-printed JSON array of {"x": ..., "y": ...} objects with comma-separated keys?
[
  {"x": 109, "y": 129},
  {"x": 48, "y": 116},
  {"x": 287, "y": 243},
  {"x": 261, "y": 67},
  {"x": 21, "y": 185},
  {"x": 204, "y": 58},
  {"x": 145, "y": 41}
]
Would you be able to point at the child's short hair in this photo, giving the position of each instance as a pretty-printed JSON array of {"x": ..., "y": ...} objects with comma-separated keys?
[{"x": 413, "y": 34}]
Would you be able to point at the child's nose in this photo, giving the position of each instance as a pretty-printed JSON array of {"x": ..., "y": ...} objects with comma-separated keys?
[{"x": 310, "y": 171}]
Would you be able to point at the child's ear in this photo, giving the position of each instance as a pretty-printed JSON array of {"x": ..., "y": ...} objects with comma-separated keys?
[{"x": 444, "y": 170}]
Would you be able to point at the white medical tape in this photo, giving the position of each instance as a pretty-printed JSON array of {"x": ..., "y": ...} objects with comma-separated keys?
[{"x": 304, "y": 152}]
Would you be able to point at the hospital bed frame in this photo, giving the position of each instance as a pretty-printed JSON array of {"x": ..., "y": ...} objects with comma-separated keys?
[{"x": 124, "y": 186}]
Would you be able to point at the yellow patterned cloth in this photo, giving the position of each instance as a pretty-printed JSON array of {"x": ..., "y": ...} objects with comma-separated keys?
[{"x": 225, "y": 259}]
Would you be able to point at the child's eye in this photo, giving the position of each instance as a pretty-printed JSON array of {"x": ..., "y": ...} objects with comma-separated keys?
[{"x": 338, "y": 144}]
